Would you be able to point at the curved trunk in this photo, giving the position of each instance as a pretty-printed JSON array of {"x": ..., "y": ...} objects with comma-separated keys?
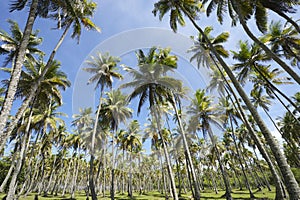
[
  {"x": 66, "y": 180},
  {"x": 32, "y": 93},
  {"x": 18, "y": 168},
  {"x": 288, "y": 19},
  {"x": 271, "y": 54},
  {"x": 15, "y": 76},
  {"x": 289, "y": 178},
  {"x": 280, "y": 194}
]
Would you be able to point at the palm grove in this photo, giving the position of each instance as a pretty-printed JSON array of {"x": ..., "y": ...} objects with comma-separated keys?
[{"x": 212, "y": 142}]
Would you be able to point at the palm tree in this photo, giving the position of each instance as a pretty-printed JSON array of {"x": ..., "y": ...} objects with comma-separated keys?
[
  {"x": 281, "y": 8},
  {"x": 131, "y": 142},
  {"x": 204, "y": 114},
  {"x": 190, "y": 9},
  {"x": 76, "y": 13},
  {"x": 219, "y": 81},
  {"x": 150, "y": 84},
  {"x": 103, "y": 70},
  {"x": 250, "y": 67},
  {"x": 284, "y": 41},
  {"x": 114, "y": 111},
  {"x": 11, "y": 90},
  {"x": 243, "y": 11},
  {"x": 49, "y": 88},
  {"x": 11, "y": 43}
]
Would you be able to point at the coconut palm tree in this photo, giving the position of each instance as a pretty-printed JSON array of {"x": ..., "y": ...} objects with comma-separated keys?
[
  {"x": 202, "y": 115},
  {"x": 50, "y": 87},
  {"x": 190, "y": 9},
  {"x": 284, "y": 41},
  {"x": 151, "y": 83},
  {"x": 76, "y": 13},
  {"x": 132, "y": 143},
  {"x": 114, "y": 111},
  {"x": 250, "y": 67},
  {"x": 242, "y": 11},
  {"x": 11, "y": 43},
  {"x": 103, "y": 69}
]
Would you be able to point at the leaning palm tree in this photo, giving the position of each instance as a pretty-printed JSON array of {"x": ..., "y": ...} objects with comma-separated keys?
[
  {"x": 191, "y": 9},
  {"x": 11, "y": 43},
  {"x": 284, "y": 41},
  {"x": 242, "y": 11},
  {"x": 75, "y": 13},
  {"x": 151, "y": 84},
  {"x": 49, "y": 88},
  {"x": 103, "y": 69}
]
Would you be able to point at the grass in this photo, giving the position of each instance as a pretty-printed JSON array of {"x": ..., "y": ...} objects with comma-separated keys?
[{"x": 205, "y": 195}]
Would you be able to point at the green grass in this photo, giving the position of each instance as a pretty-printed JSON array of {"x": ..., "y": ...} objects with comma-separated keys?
[{"x": 206, "y": 195}]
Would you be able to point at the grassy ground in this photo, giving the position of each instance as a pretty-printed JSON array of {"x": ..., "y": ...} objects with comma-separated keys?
[{"x": 206, "y": 195}]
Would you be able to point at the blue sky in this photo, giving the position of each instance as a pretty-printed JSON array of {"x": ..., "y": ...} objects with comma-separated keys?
[{"x": 114, "y": 18}]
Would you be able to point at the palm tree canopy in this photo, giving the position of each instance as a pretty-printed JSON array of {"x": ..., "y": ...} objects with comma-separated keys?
[
  {"x": 150, "y": 80},
  {"x": 104, "y": 69},
  {"x": 10, "y": 43}
]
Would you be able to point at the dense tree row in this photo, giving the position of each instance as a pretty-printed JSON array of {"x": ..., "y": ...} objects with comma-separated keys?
[{"x": 217, "y": 143}]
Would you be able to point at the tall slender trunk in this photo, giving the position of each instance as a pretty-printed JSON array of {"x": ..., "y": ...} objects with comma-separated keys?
[
  {"x": 188, "y": 154},
  {"x": 50, "y": 178},
  {"x": 91, "y": 173},
  {"x": 223, "y": 170},
  {"x": 32, "y": 92},
  {"x": 112, "y": 189},
  {"x": 15, "y": 76},
  {"x": 156, "y": 113},
  {"x": 289, "y": 178},
  {"x": 12, "y": 166},
  {"x": 130, "y": 177},
  {"x": 18, "y": 168},
  {"x": 261, "y": 171},
  {"x": 66, "y": 180},
  {"x": 270, "y": 53},
  {"x": 279, "y": 189},
  {"x": 240, "y": 160}
]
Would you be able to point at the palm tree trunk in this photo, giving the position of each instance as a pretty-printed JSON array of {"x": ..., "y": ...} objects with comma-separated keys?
[
  {"x": 112, "y": 189},
  {"x": 32, "y": 93},
  {"x": 223, "y": 171},
  {"x": 66, "y": 180},
  {"x": 271, "y": 54},
  {"x": 19, "y": 164},
  {"x": 279, "y": 189},
  {"x": 166, "y": 154},
  {"x": 130, "y": 177},
  {"x": 261, "y": 171},
  {"x": 91, "y": 173},
  {"x": 239, "y": 159},
  {"x": 50, "y": 178},
  {"x": 15, "y": 76},
  {"x": 289, "y": 178},
  {"x": 288, "y": 19},
  {"x": 12, "y": 166},
  {"x": 188, "y": 154}
]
